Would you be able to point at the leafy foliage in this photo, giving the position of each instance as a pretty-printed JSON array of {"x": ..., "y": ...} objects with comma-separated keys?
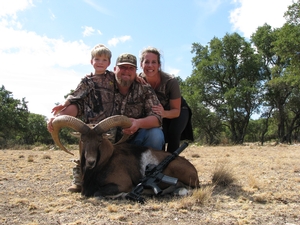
[
  {"x": 20, "y": 127},
  {"x": 36, "y": 130},
  {"x": 226, "y": 80},
  {"x": 233, "y": 80},
  {"x": 279, "y": 50},
  {"x": 13, "y": 119}
]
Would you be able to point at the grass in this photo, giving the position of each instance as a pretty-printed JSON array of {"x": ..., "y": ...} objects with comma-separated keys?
[
  {"x": 239, "y": 185},
  {"x": 223, "y": 175}
]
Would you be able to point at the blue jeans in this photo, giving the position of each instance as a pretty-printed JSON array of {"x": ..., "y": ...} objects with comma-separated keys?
[{"x": 152, "y": 138}]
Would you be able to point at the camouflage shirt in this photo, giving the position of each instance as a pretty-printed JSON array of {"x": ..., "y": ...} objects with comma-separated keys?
[{"x": 97, "y": 97}]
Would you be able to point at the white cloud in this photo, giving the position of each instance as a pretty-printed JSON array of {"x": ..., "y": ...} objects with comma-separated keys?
[
  {"x": 208, "y": 6},
  {"x": 52, "y": 16},
  {"x": 117, "y": 40},
  {"x": 37, "y": 67},
  {"x": 251, "y": 14},
  {"x": 173, "y": 71},
  {"x": 88, "y": 31},
  {"x": 97, "y": 7},
  {"x": 41, "y": 69},
  {"x": 41, "y": 49},
  {"x": 10, "y": 8}
]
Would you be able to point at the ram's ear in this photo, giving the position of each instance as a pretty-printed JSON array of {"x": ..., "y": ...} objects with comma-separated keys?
[{"x": 106, "y": 150}]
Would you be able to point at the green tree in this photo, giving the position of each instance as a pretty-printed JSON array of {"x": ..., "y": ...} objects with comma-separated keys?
[
  {"x": 287, "y": 44},
  {"x": 280, "y": 53},
  {"x": 36, "y": 130},
  {"x": 207, "y": 126},
  {"x": 275, "y": 88},
  {"x": 292, "y": 15},
  {"x": 226, "y": 78},
  {"x": 13, "y": 117}
]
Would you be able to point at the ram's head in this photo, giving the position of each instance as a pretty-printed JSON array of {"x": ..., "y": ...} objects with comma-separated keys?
[{"x": 91, "y": 136}]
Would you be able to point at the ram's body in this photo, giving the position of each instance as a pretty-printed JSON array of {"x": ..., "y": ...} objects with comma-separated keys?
[{"x": 109, "y": 169}]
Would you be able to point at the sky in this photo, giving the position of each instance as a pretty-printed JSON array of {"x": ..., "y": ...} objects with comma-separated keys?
[{"x": 45, "y": 45}]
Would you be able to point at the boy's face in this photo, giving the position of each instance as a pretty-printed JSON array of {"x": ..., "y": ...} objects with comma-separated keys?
[{"x": 100, "y": 63}]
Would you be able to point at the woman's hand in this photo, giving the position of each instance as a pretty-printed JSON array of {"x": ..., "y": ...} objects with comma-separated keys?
[{"x": 159, "y": 109}]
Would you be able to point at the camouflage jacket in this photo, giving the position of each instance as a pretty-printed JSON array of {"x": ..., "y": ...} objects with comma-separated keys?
[{"x": 98, "y": 97}]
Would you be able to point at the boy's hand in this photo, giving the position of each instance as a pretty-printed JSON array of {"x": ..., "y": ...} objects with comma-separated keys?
[
  {"x": 49, "y": 125},
  {"x": 57, "y": 109}
]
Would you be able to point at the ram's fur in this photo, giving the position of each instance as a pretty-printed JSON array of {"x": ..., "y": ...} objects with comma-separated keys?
[{"x": 109, "y": 169}]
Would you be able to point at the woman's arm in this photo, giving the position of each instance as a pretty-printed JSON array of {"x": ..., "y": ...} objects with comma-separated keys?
[{"x": 170, "y": 114}]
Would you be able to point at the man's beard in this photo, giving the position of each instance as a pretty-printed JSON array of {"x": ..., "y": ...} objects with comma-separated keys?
[{"x": 124, "y": 83}]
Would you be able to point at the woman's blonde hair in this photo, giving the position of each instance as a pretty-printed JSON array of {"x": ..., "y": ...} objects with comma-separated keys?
[{"x": 150, "y": 50}]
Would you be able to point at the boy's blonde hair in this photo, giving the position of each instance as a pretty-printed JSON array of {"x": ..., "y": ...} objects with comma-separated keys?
[{"x": 99, "y": 50}]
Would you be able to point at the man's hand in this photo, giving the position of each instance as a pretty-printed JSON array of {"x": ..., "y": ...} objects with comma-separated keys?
[{"x": 134, "y": 127}]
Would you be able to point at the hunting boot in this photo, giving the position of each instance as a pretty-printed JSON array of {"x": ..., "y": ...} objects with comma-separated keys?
[{"x": 77, "y": 178}]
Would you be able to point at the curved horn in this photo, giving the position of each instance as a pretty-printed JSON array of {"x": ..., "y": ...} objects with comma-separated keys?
[
  {"x": 67, "y": 121},
  {"x": 114, "y": 121}
]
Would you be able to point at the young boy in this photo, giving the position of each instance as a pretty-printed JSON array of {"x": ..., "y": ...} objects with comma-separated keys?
[{"x": 101, "y": 58}]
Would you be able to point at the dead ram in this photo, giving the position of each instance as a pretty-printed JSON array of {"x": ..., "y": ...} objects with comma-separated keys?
[{"x": 110, "y": 170}]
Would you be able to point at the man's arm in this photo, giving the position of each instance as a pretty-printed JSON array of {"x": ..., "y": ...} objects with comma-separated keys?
[
  {"x": 150, "y": 101},
  {"x": 150, "y": 119},
  {"x": 146, "y": 123}
]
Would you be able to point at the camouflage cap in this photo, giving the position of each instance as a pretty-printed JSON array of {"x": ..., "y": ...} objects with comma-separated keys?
[{"x": 126, "y": 58}]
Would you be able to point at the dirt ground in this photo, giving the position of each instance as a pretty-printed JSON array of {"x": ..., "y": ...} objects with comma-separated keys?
[{"x": 33, "y": 190}]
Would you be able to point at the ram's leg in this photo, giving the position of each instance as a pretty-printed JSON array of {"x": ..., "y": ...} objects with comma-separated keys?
[
  {"x": 179, "y": 189},
  {"x": 183, "y": 170},
  {"x": 113, "y": 186},
  {"x": 107, "y": 190}
]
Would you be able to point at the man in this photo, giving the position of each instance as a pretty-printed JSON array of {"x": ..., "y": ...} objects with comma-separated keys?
[{"x": 100, "y": 96}]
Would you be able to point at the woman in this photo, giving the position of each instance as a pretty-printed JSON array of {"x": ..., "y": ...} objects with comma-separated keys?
[{"x": 173, "y": 108}]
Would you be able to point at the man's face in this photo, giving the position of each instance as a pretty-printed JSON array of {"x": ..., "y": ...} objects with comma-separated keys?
[{"x": 125, "y": 74}]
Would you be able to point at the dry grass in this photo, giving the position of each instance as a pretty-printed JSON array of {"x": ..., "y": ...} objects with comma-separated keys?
[
  {"x": 222, "y": 175},
  {"x": 239, "y": 185}
]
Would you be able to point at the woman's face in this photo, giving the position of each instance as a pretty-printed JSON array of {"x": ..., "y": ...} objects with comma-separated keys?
[{"x": 150, "y": 64}]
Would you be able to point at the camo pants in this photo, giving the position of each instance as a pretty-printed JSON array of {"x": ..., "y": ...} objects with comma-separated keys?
[{"x": 77, "y": 176}]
